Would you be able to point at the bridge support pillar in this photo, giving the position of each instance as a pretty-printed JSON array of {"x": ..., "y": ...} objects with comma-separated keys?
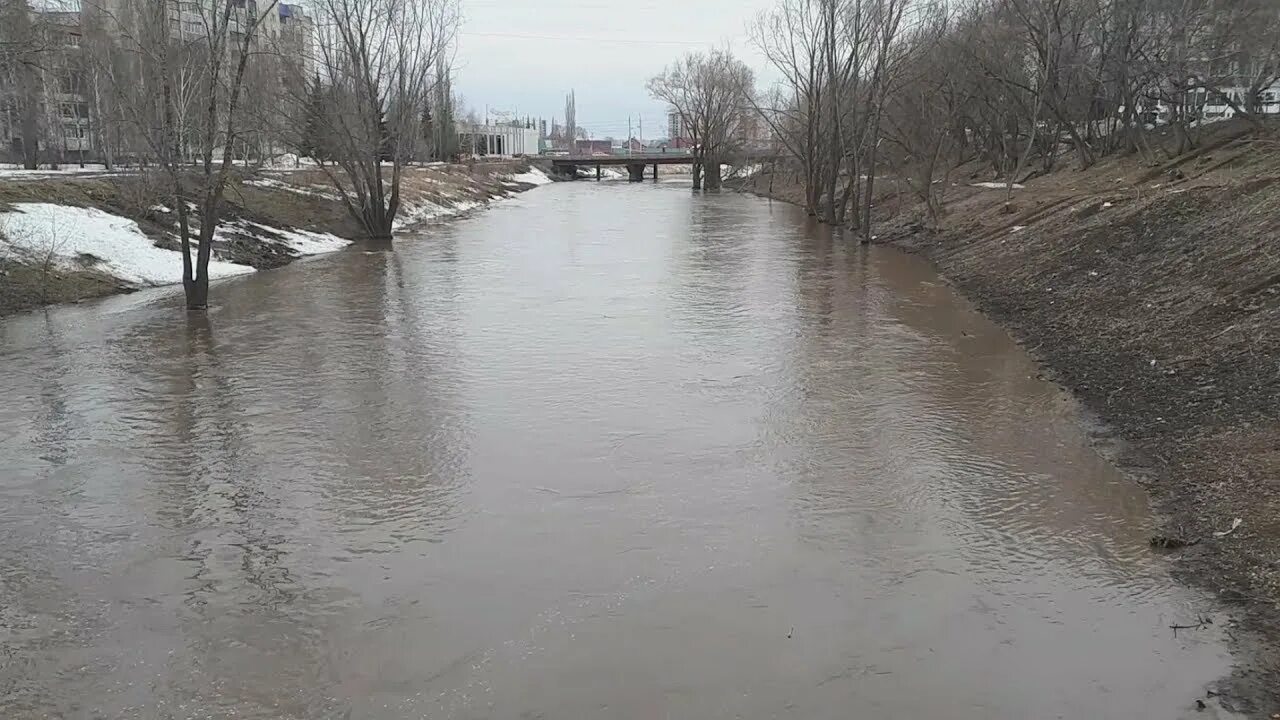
[
  {"x": 635, "y": 172},
  {"x": 597, "y": 172},
  {"x": 655, "y": 172}
]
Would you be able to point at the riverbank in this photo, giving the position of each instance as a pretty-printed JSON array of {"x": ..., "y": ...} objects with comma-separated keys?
[
  {"x": 71, "y": 237},
  {"x": 1152, "y": 293}
]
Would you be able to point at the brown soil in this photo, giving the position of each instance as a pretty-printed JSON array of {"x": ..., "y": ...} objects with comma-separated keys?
[
  {"x": 301, "y": 199},
  {"x": 1154, "y": 295},
  {"x": 24, "y": 286}
]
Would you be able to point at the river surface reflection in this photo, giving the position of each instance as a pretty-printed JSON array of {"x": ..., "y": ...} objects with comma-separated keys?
[{"x": 603, "y": 450}]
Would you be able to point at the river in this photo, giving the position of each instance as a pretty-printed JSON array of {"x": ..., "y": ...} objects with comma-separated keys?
[{"x": 602, "y": 450}]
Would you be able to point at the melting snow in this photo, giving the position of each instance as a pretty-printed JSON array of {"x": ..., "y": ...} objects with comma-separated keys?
[
  {"x": 274, "y": 184},
  {"x": 411, "y": 214},
  {"x": 533, "y": 177},
  {"x": 303, "y": 242},
  {"x": 995, "y": 185},
  {"x": 118, "y": 246},
  {"x": 9, "y": 170}
]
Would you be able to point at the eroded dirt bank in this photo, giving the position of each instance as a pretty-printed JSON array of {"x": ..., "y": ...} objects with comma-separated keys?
[{"x": 1152, "y": 291}]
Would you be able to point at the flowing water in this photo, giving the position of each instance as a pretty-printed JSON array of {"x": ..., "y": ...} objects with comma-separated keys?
[{"x": 602, "y": 450}]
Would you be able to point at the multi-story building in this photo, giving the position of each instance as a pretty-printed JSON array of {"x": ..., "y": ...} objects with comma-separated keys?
[
  {"x": 750, "y": 129},
  {"x": 677, "y": 130},
  {"x": 48, "y": 100},
  {"x": 296, "y": 39},
  {"x": 53, "y": 99}
]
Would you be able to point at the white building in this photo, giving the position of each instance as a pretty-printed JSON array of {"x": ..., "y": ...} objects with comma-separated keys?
[
  {"x": 1215, "y": 108},
  {"x": 501, "y": 140}
]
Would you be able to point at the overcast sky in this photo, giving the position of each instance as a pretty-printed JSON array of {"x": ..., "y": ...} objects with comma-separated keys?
[{"x": 525, "y": 55}]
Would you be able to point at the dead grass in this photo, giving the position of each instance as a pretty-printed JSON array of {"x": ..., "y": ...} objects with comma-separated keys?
[{"x": 25, "y": 286}]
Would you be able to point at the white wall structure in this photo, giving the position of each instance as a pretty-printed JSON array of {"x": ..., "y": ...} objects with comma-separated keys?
[
  {"x": 501, "y": 140},
  {"x": 1269, "y": 99}
]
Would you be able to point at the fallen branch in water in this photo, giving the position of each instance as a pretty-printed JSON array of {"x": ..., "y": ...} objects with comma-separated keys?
[{"x": 1204, "y": 620}]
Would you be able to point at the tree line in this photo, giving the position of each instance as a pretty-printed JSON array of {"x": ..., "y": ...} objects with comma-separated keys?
[
  {"x": 917, "y": 87},
  {"x": 185, "y": 90}
]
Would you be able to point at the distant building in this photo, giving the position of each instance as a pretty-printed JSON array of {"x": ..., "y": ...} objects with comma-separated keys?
[
  {"x": 297, "y": 39},
  {"x": 676, "y": 128},
  {"x": 751, "y": 130},
  {"x": 593, "y": 147},
  {"x": 1215, "y": 108},
  {"x": 58, "y": 105},
  {"x": 63, "y": 101},
  {"x": 501, "y": 140}
]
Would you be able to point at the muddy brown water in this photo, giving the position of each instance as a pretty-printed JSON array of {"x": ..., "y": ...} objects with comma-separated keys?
[{"x": 602, "y": 451}]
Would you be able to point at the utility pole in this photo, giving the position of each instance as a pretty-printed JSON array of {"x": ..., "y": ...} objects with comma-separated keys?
[{"x": 628, "y": 136}]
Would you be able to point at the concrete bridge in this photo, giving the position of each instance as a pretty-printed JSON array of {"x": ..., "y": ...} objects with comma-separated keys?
[{"x": 636, "y": 164}]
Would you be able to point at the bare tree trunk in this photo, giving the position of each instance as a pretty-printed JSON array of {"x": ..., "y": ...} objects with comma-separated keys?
[{"x": 711, "y": 174}]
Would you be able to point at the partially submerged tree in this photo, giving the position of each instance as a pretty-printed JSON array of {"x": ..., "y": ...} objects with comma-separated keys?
[
  {"x": 181, "y": 85},
  {"x": 708, "y": 92},
  {"x": 380, "y": 61}
]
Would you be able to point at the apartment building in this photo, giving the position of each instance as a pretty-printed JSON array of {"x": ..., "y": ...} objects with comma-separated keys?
[
  {"x": 45, "y": 106},
  {"x": 53, "y": 100}
]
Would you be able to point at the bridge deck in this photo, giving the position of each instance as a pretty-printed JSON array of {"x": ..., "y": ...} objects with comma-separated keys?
[{"x": 661, "y": 159}]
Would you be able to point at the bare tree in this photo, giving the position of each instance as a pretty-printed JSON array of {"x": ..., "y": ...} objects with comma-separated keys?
[
  {"x": 379, "y": 61},
  {"x": 1005, "y": 81},
  {"x": 571, "y": 121},
  {"x": 921, "y": 109},
  {"x": 792, "y": 38},
  {"x": 708, "y": 91},
  {"x": 178, "y": 56},
  {"x": 23, "y": 55},
  {"x": 884, "y": 22}
]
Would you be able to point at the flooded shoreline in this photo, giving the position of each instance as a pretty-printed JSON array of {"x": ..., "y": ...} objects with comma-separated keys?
[{"x": 602, "y": 450}]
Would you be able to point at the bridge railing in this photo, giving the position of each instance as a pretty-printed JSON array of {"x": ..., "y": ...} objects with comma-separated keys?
[{"x": 622, "y": 153}]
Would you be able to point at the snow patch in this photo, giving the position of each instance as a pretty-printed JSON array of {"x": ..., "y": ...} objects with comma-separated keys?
[
  {"x": 995, "y": 185},
  {"x": 10, "y": 170},
  {"x": 533, "y": 177},
  {"x": 289, "y": 160},
  {"x": 414, "y": 213},
  {"x": 311, "y": 191},
  {"x": 117, "y": 245},
  {"x": 306, "y": 242},
  {"x": 302, "y": 242}
]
